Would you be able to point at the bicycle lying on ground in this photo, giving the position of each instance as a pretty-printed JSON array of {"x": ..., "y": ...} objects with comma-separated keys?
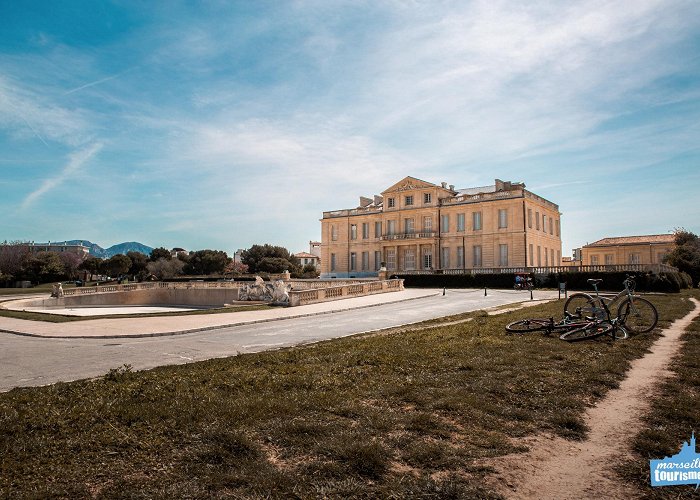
[
  {"x": 571, "y": 328},
  {"x": 634, "y": 314},
  {"x": 546, "y": 325}
]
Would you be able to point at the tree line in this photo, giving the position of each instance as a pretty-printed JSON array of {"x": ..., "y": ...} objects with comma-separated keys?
[{"x": 18, "y": 263}]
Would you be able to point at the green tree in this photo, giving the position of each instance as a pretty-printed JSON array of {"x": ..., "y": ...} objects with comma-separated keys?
[
  {"x": 165, "y": 269},
  {"x": 160, "y": 253},
  {"x": 204, "y": 262},
  {"x": 44, "y": 267},
  {"x": 13, "y": 258},
  {"x": 91, "y": 265},
  {"x": 116, "y": 265},
  {"x": 138, "y": 264},
  {"x": 686, "y": 254},
  {"x": 269, "y": 258}
]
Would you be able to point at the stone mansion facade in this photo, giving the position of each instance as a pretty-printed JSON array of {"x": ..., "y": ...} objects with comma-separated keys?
[{"x": 418, "y": 226}]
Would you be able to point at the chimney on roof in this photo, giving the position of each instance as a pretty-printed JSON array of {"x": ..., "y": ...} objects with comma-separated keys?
[
  {"x": 452, "y": 187},
  {"x": 378, "y": 199},
  {"x": 444, "y": 185},
  {"x": 365, "y": 202},
  {"x": 499, "y": 185}
]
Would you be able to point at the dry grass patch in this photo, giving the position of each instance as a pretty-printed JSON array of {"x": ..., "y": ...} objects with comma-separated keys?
[{"x": 408, "y": 414}]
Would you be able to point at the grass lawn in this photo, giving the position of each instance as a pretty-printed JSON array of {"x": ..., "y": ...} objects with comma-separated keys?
[
  {"x": 675, "y": 415},
  {"x": 404, "y": 413}
]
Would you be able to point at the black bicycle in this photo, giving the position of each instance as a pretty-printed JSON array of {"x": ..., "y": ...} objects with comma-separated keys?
[{"x": 638, "y": 315}]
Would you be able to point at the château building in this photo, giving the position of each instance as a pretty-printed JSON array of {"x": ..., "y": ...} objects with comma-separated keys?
[
  {"x": 418, "y": 226},
  {"x": 625, "y": 250}
]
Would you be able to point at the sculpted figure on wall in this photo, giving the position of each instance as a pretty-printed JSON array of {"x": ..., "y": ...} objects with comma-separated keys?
[
  {"x": 280, "y": 292},
  {"x": 257, "y": 291},
  {"x": 57, "y": 290}
]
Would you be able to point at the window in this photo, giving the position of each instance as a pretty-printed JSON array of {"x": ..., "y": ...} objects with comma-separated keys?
[
  {"x": 594, "y": 260},
  {"x": 503, "y": 254},
  {"x": 551, "y": 255},
  {"x": 460, "y": 222},
  {"x": 332, "y": 262},
  {"x": 529, "y": 218},
  {"x": 391, "y": 227},
  {"x": 409, "y": 259},
  {"x": 409, "y": 200},
  {"x": 544, "y": 223},
  {"x": 635, "y": 258},
  {"x": 365, "y": 230},
  {"x": 377, "y": 229},
  {"x": 427, "y": 198},
  {"x": 559, "y": 257},
  {"x": 391, "y": 202},
  {"x": 546, "y": 258},
  {"x": 408, "y": 226},
  {"x": 537, "y": 220},
  {"x": 428, "y": 224},
  {"x": 460, "y": 257},
  {"x": 445, "y": 224},
  {"x": 427, "y": 258},
  {"x": 377, "y": 260},
  {"x": 661, "y": 257},
  {"x": 391, "y": 259},
  {"x": 353, "y": 261},
  {"x": 334, "y": 232},
  {"x": 532, "y": 255},
  {"x": 365, "y": 261},
  {"x": 476, "y": 255},
  {"x": 476, "y": 221},
  {"x": 502, "y": 218},
  {"x": 609, "y": 259},
  {"x": 539, "y": 254},
  {"x": 353, "y": 231},
  {"x": 551, "y": 226},
  {"x": 557, "y": 228},
  {"x": 445, "y": 264}
]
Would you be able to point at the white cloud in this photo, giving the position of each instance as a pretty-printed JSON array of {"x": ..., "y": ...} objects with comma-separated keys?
[
  {"x": 75, "y": 161},
  {"x": 26, "y": 112}
]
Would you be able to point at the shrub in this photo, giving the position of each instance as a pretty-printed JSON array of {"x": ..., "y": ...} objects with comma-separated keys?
[{"x": 667, "y": 282}]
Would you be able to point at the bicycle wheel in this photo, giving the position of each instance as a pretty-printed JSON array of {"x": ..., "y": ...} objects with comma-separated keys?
[
  {"x": 580, "y": 305},
  {"x": 638, "y": 315},
  {"x": 591, "y": 331},
  {"x": 527, "y": 325}
]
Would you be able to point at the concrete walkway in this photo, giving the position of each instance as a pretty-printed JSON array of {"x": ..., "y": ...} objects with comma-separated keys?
[{"x": 174, "y": 325}]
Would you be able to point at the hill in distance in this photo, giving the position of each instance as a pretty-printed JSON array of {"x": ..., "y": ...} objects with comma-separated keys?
[{"x": 120, "y": 248}]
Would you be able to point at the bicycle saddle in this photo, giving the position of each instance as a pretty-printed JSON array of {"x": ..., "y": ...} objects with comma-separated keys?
[{"x": 595, "y": 281}]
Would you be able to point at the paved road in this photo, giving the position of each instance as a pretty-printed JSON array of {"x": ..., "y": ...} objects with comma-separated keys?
[{"x": 28, "y": 361}]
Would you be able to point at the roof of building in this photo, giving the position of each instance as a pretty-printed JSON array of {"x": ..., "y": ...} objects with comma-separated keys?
[
  {"x": 305, "y": 255},
  {"x": 633, "y": 240}
]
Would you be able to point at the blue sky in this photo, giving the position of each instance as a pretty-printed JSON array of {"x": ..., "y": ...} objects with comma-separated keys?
[{"x": 224, "y": 124}]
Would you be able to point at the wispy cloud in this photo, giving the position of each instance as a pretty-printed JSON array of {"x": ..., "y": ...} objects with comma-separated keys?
[
  {"x": 75, "y": 162},
  {"x": 97, "y": 82}
]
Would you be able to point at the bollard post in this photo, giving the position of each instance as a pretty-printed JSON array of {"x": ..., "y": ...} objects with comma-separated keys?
[
  {"x": 484, "y": 291},
  {"x": 443, "y": 291},
  {"x": 531, "y": 294}
]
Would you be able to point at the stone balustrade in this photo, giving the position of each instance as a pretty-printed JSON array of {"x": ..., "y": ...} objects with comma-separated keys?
[{"x": 343, "y": 291}]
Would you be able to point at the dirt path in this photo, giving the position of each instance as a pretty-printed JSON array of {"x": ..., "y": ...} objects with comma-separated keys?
[{"x": 555, "y": 468}]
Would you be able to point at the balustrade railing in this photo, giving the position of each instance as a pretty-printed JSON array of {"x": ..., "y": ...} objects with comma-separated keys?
[
  {"x": 632, "y": 268},
  {"x": 303, "y": 297}
]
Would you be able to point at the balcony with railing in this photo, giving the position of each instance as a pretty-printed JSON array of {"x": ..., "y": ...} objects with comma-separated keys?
[{"x": 409, "y": 235}]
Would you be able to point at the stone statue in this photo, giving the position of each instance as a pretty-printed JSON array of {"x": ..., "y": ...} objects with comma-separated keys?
[
  {"x": 257, "y": 291},
  {"x": 280, "y": 292},
  {"x": 57, "y": 290}
]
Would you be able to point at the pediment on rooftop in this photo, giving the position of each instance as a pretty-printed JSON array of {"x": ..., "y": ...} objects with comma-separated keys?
[{"x": 408, "y": 184}]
